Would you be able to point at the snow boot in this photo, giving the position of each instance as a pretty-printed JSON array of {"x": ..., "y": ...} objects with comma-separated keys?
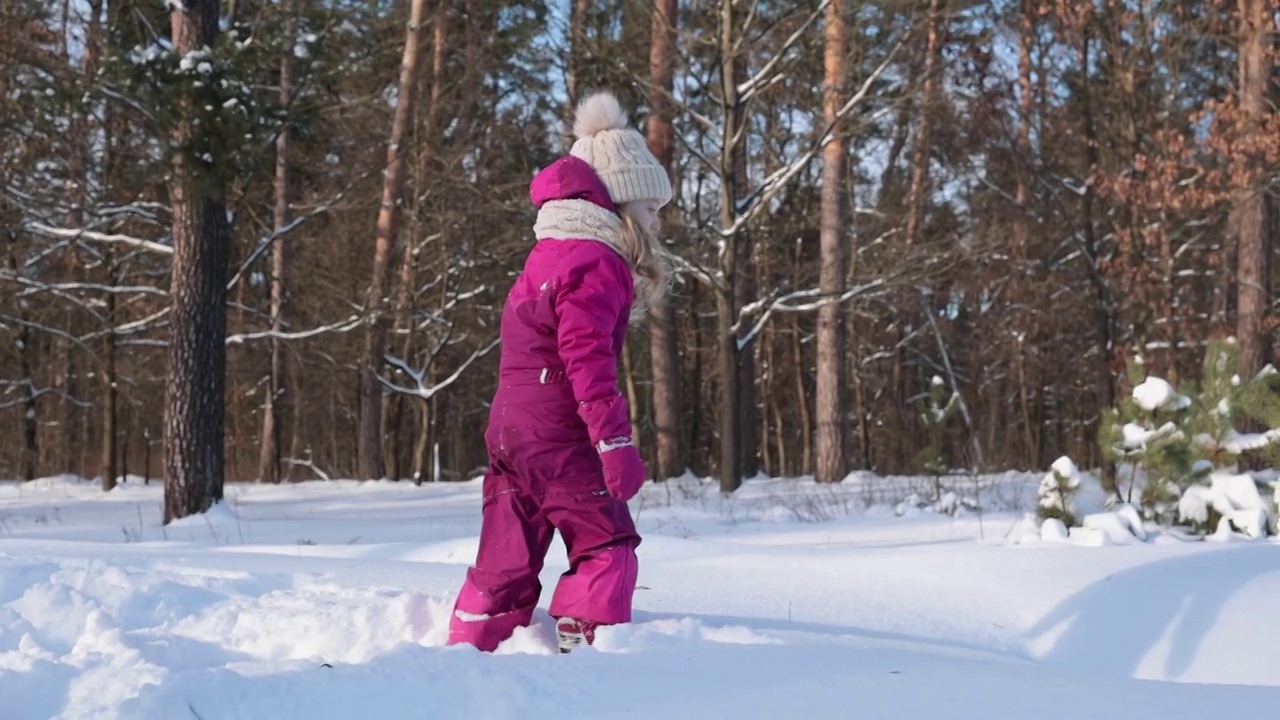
[{"x": 572, "y": 633}]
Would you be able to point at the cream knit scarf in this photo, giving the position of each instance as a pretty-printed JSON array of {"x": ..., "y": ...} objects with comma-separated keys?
[
  {"x": 583, "y": 219},
  {"x": 579, "y": 219}
]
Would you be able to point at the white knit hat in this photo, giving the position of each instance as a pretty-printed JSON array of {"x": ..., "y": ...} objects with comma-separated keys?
[{"x": 619, "y": 154}]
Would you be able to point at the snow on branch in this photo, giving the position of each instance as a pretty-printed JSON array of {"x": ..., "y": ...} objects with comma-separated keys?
[
  {"x": 686, "y": 267},
  {"x": 341, "y": 326},
  {"x": 265, "y": 243},
  {"x": 756, "y": 202},
  {"x": 309, "y": 464},
  {"x": 436, "y": 317},
  {"x": 36, "y": 287},
  {"x": 33, "y": 392},
  {"x": 109, "y": 238},
  {"x": 787, "y": 303},
  {"x": 47, "y": 329},
  {"x": 1239, "y": 443},
  {"x": 421, "y": 389},
  {"x": 146, "y": 211},
  {"x": 766, "y": 75},
  {"x": 129, "y": 327}
]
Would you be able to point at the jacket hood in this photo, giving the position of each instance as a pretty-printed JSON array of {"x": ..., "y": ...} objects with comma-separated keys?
[{"x": 570, "y": 178}]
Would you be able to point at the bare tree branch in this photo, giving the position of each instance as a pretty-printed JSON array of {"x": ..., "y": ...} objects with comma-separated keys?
[
  {"x": 265, "y": 243},
  {"x": 421, "y": 389},
  {"x": 308, "y": 464},
  {"x": 36, "y": 392},
  {"x": 36, "y": 287},
  {"x": 766, "y": 74},
  {"x": 341, "y": 326},
  {"x": 75, "y": 234},
  {"x": 783, "y": 304}
]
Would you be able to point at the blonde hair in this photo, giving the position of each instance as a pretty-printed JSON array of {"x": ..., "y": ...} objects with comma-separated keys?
[{"x": 651, "y": 265}]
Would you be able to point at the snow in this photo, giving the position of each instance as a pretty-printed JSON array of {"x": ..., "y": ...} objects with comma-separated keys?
[
  {"x": 1239, "y": 443},
  {"x": 1054, "y": 530},
  {"x": 1118, "y": 527},
  {"x": 1065, "y": 467},
  {"x": 1236, "y": 499},
  {"x": 1137, "y": 437},
  {"x": 788, "y": 599},
  {"x": 1157, "y": 394}
]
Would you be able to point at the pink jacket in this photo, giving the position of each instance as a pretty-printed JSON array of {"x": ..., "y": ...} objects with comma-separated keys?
[{"x": 563, "y": 328}]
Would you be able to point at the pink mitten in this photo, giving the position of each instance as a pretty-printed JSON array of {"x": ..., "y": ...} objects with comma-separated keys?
[{"x": 624, "y": 470}]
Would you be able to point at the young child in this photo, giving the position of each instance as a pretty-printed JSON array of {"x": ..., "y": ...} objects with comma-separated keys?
[{"x": 561, "y": 456}]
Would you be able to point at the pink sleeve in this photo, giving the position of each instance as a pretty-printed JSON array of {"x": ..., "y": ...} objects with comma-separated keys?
[{"x": 591, "y": 302}]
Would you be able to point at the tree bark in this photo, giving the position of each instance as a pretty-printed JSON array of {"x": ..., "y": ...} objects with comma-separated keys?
[
  {"x": 404, "y": 305},
  {"x": 1021, "y": 233},
  {"x": 1026, "y": 38},
  {"x": 1106, "y": 315},
  {"x": 30, "y": 416},
  {"x": 735, "y": 422},
  {"x": 577, "y": 60},
  {"x": 730, "y": 469},
  {"x": 1253, "y": 224},
  {"x": 111, "y": 165},
  {"x": 918, "y": 194},
  {"x": 372, "y": 465},
  {"x": 196, "y": 373},
  {"x": 663, "y": 338},
  {"x": 109, "y": 455},
  {"x": 830, "y": 405},
  {"x": 269, "y": 457},
  {"x": 806, "y": 425}
]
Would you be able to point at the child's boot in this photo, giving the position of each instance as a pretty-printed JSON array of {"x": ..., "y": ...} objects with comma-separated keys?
[{"x": 572, "y": 633}]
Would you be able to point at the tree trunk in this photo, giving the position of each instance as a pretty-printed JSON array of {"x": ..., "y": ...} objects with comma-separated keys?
[
  {"x": 734, "y": 420},
  {"x": 1021, "y": 325},
  {"x": 663, "y": 335},
  {"x": 918, "y": 194},
  {"x": 730, "y": 468},
  {"x": 697, "y": 423},
  {"x": 404, "y": 305},
  {"x": 372, "y": 465},
  {"x": 745, "y": 287},
  {"x": 109, "y": 465},
  {"x": 269, "y": 457},
  {"x": 30, "y": 416},
  {"x": 633, "y": 395},
  {"x": 1026, "y": 38},
  {"x": 830, "y": 405},
  {"x": 578, "y": 56},
  {"x": 1253, "y": 251},
  {"x": 1105, "y": 306},
  {"x": 806, "y": 424},
  {"x": 196, "y": 371}
]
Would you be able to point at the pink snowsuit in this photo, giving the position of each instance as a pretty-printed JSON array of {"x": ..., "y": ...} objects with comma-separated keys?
[{"x": 563, "y": 327}]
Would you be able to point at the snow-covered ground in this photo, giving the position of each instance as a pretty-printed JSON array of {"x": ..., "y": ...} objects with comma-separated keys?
[{"x": 331, "y": 600}]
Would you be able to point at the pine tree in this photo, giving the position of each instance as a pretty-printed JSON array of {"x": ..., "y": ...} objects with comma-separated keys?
[
  {"x": 1145, "y": 432},
  {"x": 1056, "y": 494},
  {"x": 1178, "y": 439},
  {"x": 935, "y": 411}
]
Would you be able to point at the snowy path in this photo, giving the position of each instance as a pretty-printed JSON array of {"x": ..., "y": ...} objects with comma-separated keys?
[{"x": 742, "y": 613}]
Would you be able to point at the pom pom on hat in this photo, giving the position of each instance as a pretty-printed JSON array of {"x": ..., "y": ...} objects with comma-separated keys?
[
  {"x": 597, "y": 113},
  {"x": 619, "y": 154}
]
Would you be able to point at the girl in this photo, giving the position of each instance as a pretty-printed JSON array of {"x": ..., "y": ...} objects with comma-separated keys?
[{"x": 561, "y": 456}]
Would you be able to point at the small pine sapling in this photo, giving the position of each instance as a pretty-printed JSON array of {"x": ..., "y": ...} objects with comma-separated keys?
[
  {"x": 1224, "y": 401},
  {"x": 1056, "y": 494},
  {"x": 1146, "y": 432},
  {"x": 935, "y": 411}
]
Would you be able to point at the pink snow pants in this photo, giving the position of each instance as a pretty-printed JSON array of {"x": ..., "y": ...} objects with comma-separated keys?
[{"x": 528, "y": 495}]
